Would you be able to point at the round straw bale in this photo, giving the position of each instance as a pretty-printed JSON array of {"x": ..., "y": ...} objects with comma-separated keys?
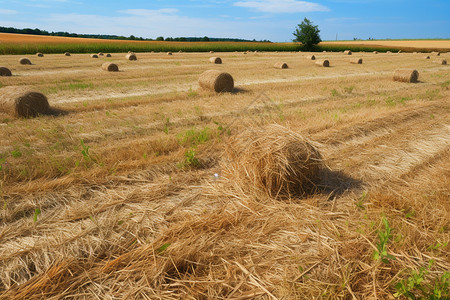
[
  {"x": 110, "y": 67},
  {"x": 388, "y": 52},
  {"x": 281, "y": 65},
  {"x": 39, "y": 54},
  {"x": 108, "y": 55},
  {"x": 215, "y": 60},
  {"x": 406, "y": 75},
  {"x": 101, "y": 54},
  {"x": 131, "y": 56},
  {"x": 311, "y": 57},
  {"x": 4, "y": 71},
  {"x": 427, "y": 57},
  {"x": 440, "y": 61},
  {"x": 22, "y": 102},
  {"x": 169, "y": 53},
  {"x": 323, "y": 62},
  {"x": 375, "y": 52},
  {"x": 435, "y": 53},
  {"x": 94, "y": 56},
  {"x": 216, "y": 81},
  {"x": 25, "y": 61},
  {"x": 273, "y": 160},
  {"x": 66, "y": 53},
  {"x": 324, "y": 51},
  {"x": 211, "y": 51},
  {"x": 358, "y": 61},
  {"x": 348, "y": 52}
]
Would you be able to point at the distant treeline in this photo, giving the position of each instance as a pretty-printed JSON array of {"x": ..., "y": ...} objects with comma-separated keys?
[{"x": 37, "y": 31}]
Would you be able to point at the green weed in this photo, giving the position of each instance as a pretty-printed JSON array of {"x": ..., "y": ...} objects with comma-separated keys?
[
  {"x": 383, "y": 236},
  {"x": 335, "y": 93},
  {"x": 192, "y": 93},
  {"x": 194, "y": 137},
  {"x": 349, "y": 89},
  {"x": 37, "y": 212},
  {"x": 190, "y": 160}
]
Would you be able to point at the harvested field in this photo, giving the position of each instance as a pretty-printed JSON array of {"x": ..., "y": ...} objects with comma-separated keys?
[{"x": 124, "y": 196}]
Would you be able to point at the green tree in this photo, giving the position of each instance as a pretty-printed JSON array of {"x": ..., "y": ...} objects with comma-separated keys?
[
  {"x": 307, "y": 34},
  {"x": 160, "y": 38}
]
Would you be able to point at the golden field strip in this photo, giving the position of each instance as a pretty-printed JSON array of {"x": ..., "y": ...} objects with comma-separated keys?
[{"x": 118, "y": 198}]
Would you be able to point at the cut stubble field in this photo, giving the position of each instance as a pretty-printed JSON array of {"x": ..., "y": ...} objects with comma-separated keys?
[{"x": 124, "y": 195}]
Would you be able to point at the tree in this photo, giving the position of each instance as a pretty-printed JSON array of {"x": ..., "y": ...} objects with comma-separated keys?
[
  {"x": 160, "y": 38},
  {"x": 307, "y": 34}
]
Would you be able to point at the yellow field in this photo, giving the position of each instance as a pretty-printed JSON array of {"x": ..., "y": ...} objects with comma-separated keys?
[
  {"x": 124, "y": 196},
  {"x": 423, "y": 44}
]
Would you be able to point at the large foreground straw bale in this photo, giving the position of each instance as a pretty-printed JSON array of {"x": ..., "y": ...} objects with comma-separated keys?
[
  {"x": 216, "y": 81},
  {"x": 110, "y": 67},
  {"x": 311, "y": 57},
  {"x": 357, "y": 61},
  {"x": 131, "y": 56},
  {"x": 25, "y": 61},
  {"x": 406, "y": 75},
  {"x": 4, "y": 71},
  {"x": 22, "y": 102},
  {"x": 348, "y": 52},
  {"x": 272, "y": 159},
  {"x": 215, "y": 60},
  {"x": 280, "y": 65},
  {"x": 323, "y": 62}
]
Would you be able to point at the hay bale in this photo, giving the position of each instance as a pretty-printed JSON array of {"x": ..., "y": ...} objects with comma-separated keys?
[
  {"x": 94, "y": 56},
  {"x": 169, "y": 53},
  {"x": 399, "y": 51},
  {"x": 25, "y": 61},
  {"x": 215, "y": 60},
  {"x": 211, "y": 51},
  {"x": 131, "y": 56},
  {"x": 323, "y": 62},
  {"x": 100, "y": 54},
  {"x": 406, "y": 75},
  {"x": 375, "y": 52},
  {"x": 216, "y": 81},
  {"x": 348, "y": 52},
  {"x": 280, "y": 65},
  {"x": 273, "y": 160},
  {"x": 357, "y": 61},
  {"x": 388, "y": 52},
  {"x": 22, "y": 102},
  {"x": 4, "y": 71},
  {"x": 39, "y": 54},
  {"x": 427, "y": 57},
  {"x": 440, "y": 61},
  {"x": 311, "y": 57},
  {"x": 66, "y": 54},
  {"x": 324, "y": 51},
  {"x": 110, "y": 67},
  {"x": 435, "y": 53},
  {"x": 108, "y": 55}
]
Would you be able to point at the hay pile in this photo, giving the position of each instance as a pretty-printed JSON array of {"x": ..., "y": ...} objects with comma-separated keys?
[
  {"x": 39, "y": 54},
  {"x": 280, "y": 65},
  {"x": 311, "y": 57},
  {"x": 388, "y": 52},
  {"x": 427, "y": 57},
  {"x": 169, "y": 53},
  {"x": 66, "y": 54},
  {"x": 94, "y": 56},
  {"x": 440, "y": 61},
  {"x": 273, "y": 160},
  {"x": 215, "y": 60},
  {"x": 348, "y": 52},
  {"x": 406, "y": 75},
  {"x": 436, "y": 53},
  {"x": 110, "y": 67},
  {"x": 357, "y": 61},
  {"x": 101, "y": 54},
  {"x": 25, "y": 61},
  {"x": 131, "y": 56},
  {"x": 22, "y": 102},
  {"x": 108, "y": 55},
  {"x": 323, "y": 63},
  {"x": 216, "y": 81},
  {"x": 375, "y": 52},
  {"x": 211, "y": 51},
  {"x": 4, "y": 71}
]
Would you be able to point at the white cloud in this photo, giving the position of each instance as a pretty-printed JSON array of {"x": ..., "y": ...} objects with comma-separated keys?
[
  {"x": 282, "y": 6},
  {"x": 7, "y": 12}
]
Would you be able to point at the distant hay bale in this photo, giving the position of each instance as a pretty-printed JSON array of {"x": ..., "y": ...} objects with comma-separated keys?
[
  {"x": 311, "y": 57},
  {"x": 435, "y": 53},
  {"x": 348, "y": 52},
  {"x": 94, "y": 56},
  {"x": 388, "y": 52},
  {"x": 131, "y": 56},
  {"x": 427, "y": 57},
  {"x": 406, "y": 75},
  {"x": 440, "y": 61},
  {"x": 216, "y": 81},
  {"x": 169, "y": 53},
  {"x": 358, "y": 61},
  {"x": 110, "y": 67},
  {"x": 324, "y": 51},
  {"x": 399, "y": 51},
  {"x": 25, "y": 61},
  {"x": 108, "y": 55},
  {"x": 375, "y": 52},
  {"x": 281, "y": 65},
  {"x": 39, "y": 54},
  {"x": 180, "y": 51},
  {"x": 100, "y": 54},
  {"x": 66, "y": 54},
  {"x": 273, "y": 160},
  {"x": 215, "y": 60},
  {"x": 323, "y": 62},
  {"x": 22, "y": 102},
  {"x": 4, "y": 71},
  {"x": 211, "y": 51}
]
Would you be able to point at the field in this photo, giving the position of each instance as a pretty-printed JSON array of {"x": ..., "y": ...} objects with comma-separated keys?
[{"x": 124, "y": 196}]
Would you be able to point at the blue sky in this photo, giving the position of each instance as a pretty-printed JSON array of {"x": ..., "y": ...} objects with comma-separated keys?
[{"x": 248, "y": 19}]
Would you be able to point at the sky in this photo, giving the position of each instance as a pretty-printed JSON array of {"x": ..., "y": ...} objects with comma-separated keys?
[{"x": 247, "y": 19}]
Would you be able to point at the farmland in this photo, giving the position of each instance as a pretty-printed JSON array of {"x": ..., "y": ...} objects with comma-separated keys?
[{"x": 123, "y": 195}]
